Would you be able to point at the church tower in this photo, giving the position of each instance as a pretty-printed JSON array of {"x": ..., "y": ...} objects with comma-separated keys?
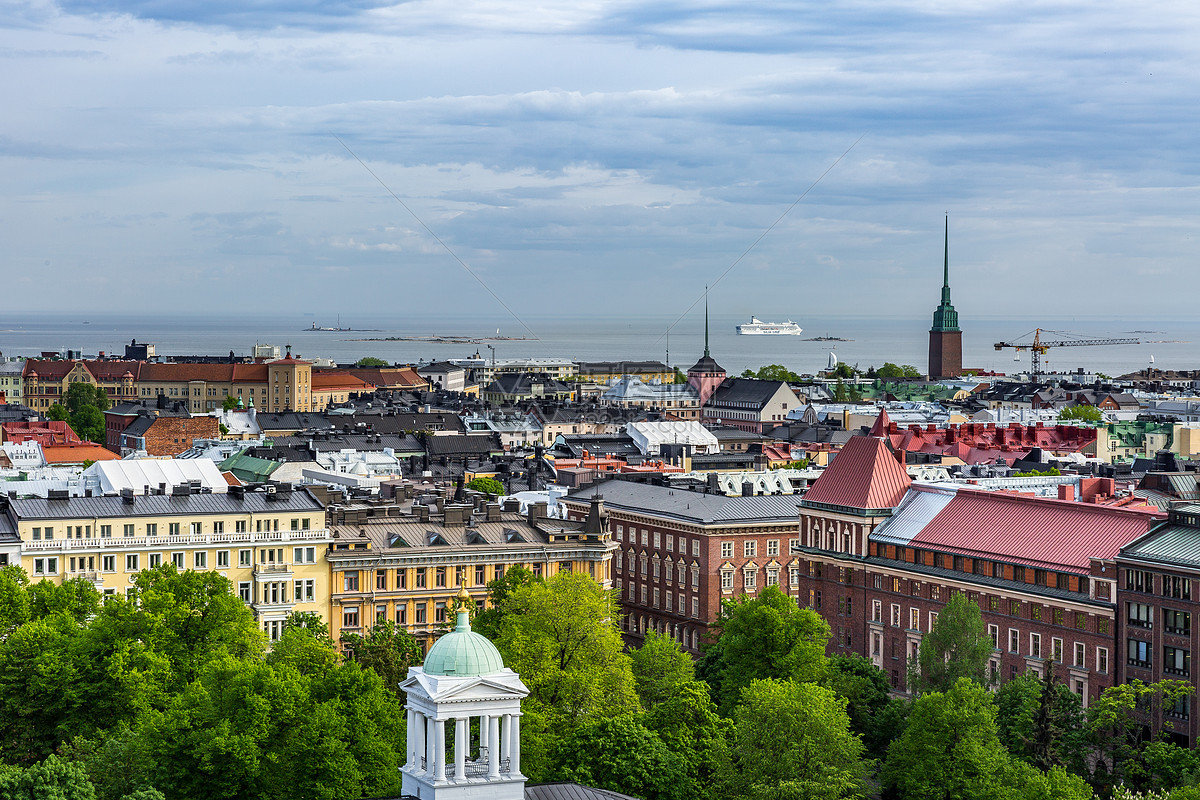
[
  {"x": 945, "y": 338},
  {"x": 707, "y": 374},
  {"x": 463, "y": 684}
]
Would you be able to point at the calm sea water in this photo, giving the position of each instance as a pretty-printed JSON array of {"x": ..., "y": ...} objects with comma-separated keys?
[{"x": 1174, "y": 344}]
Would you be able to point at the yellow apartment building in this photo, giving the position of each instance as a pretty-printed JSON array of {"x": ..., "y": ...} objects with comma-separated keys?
[
  {"x": 270, "y": 543},
  {"x": 406, "y": 563}
]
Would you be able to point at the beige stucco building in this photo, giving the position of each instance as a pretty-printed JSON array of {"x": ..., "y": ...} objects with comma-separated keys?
[{"x": 270, "y": 544}]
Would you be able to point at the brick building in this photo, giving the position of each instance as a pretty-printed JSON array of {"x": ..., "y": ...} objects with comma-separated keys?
[
  {"x": 945, "y": 337},
  {"x": 880, "y": 559},
  {"x": 1156, "y": 600},
  {"x": 679, "y": 553}
]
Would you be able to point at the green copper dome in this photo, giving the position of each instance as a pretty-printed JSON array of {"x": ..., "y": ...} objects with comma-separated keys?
[{"x": 463, "y": 652}]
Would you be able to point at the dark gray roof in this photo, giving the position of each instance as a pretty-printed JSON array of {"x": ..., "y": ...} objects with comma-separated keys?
[
  {"x": 570, "y": 791},
  {"x": 399, "y": 422},
  {"x": 472, "y": 444},
  {"x": 745, "y": 390},
  {"x": 292, "y": 421},
  {"x": 691, "y": 506},
  {"x": 354, "y": 441},
  {"x": 163, "y": 505},
  {"x": 621, "y": 367},
  {"x": 139, "y": 426}
]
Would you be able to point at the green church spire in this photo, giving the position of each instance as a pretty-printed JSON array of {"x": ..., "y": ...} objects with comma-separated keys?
[{"x": 945, "y": 318}]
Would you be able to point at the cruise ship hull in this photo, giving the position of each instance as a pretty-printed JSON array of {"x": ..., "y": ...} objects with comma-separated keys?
[{"x": 756, "y": 327}]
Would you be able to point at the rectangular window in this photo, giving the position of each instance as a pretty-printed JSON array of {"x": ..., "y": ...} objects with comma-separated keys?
[
  {"x": 350, "y": 617},
  {"x": 131, "y": 562},
  {"x": 350, "y": 581},
  {"x": 876, "y": 611},
  {"x": 750, "y": 578},
  {"x": 108, "y": 563},
  {"x": 105, "y": 531},
  {"x": 1177, "y": 622},
  {"x": 421, "y": 575},
  {"x": 726, "y": 549},
  {"x": 895, "y": 615},
  {"x": 1139, "y": 615},
  {"x": 240, "y": 526},
  {"x": 695, "y": 548},
  {"x": 244, "y": 591},
  {"x": 380, "y": 614},
  {"x": 772, "y": 547},
  {"x": 195, "y": 528},
  {"x": 152, "y": 529},
  {"x": 657, "y": 539},
  {"x": 401, "y": 614},
  {"x": 994, "y": 634},
  {"x": 1080, "y": 654},
  {"x": 914, "y": 619},
  {"x": 381, "y": 579},
  {"x": 1056, "y": 650},
  {"x": 310, "y": 590},
  {"x": 440, "y": 577},
  {"x": 1139, "y": 652},
  {"x": 1137, "y": 580},
  {"x": 1102, "y": 659},
  {"x": 177, "y": 560},
  {"x": 244, "y": 558},
  {"x": 1177, "y": 661},
  {"x": 726, "y": 579},
  {"x": 1035, "y": 645},
  {"x": 401, "y": 578},
  {"x": 200, "y": 559},
  {"x": 222, "y": 559},
  {"x": 173, "y": 528},
  {"x": 155, "y": 560},
  {"x": 218, "y": 527},
  {"x": 480, "y": 575},
  {"x": 1014, "y": 640},
  {"x": 750, "y": 549},
  {"x": 128, "y": 531}
]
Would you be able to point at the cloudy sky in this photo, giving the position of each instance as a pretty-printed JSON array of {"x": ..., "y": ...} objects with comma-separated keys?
[{"x": 595, "y": 157}]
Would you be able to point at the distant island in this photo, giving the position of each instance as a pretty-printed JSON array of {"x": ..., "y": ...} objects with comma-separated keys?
[{"x": 826, "y": 339}]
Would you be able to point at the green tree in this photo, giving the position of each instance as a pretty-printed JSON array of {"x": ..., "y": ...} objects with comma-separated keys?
[
  {"x": 844, "y": 370},
  {"x": 764, "y": 637},
  {"x": 57, "y": 413},
  {"x": 487, "y": 485},
  {"x": 247, "y": 729},
  {"x": 792, "y": 740},
  {"x": 387, "y": 649},
  {"x": 86, "y": 395},
  {"x": 688, "y": 724},
  {"x": 958, "y": 646},
  {"x": 1042, "y": 722},
  {"x": 14, "y": 599},
  {"x": 561, "y": 637},
  {"x": 840, "y": 393},
  {"x": 371, "y": 361},
  {"x": 660, "y": 668},
  {"x": 487, "y": 622},
  {"x": 680, "y": 378},
  {"x": 1081, "y": 413},
  {"x": 950, "y": 748},
  {"x": 621, "y": 755},
  {"x": 776, "y": 372},
  {"x": 51, "y": 779},
  {"x": 229, "y": 403},
  {"x": 88, "y": 423},
  {"x": 305, "y": 645},
  {"x": 889, "y": 370},
  {"x": 75, "y": 598},
  {"x": 1115, "y": 720},
  {"x": 864, "y": 688}
]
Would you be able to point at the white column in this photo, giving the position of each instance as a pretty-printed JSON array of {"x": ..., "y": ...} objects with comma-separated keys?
[
  {"x": 462, "y": 740},
  {"x": 410, "y": 738},
  {"x": 515, "y": 745},
  {"x": 483, "y": 734},
  {"x": 494, "y": 748},
  {"x": 440, "y": 764},
  {"x": 416, "y": 735},
  {"x": 505, "y": 736},
  {"x": 430, "y": 746}
]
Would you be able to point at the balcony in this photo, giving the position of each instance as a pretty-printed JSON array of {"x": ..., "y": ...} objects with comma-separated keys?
[{"x": 203, "y": 540}]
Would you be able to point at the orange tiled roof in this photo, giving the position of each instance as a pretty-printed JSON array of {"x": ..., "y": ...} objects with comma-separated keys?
[{"x": 77, "y": 453}]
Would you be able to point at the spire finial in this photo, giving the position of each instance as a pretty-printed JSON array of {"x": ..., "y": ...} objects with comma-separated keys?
[
  {"x": 946, "y": 256},
  {"x": 706, "y": 322}
]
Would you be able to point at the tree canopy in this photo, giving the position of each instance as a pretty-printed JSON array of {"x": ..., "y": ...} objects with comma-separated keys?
[
  {"x": 769, "y": 636},
  {"x": 1081, "y": 413},
  {"x": 371, "y": 361},
  {"x": 958, "y": 646},
  {"x": 486, "y": 485}
]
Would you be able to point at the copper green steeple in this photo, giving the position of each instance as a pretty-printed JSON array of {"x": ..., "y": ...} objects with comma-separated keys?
[{"x": 945, "y": 318}]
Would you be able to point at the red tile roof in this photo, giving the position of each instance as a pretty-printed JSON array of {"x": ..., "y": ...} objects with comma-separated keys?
[
  {"x": 985, "y": 443},
  {"x": 1037, "y": 531},
  {"x": 45, "y": 432},
  {"x": 865, "y": 474},
  {"x": 77, "y": 453},
  {"x": 326, "y": 381}
]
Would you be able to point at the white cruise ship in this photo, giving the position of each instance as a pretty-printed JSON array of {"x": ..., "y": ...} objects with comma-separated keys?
[{"x": 757, "y": 327}]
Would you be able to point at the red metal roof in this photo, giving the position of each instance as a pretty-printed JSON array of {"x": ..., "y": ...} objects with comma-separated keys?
[
  {"x": 1037, "y": 531},
  {"x": 984, "y": 443},
  {"x": 865, "y": 474}
]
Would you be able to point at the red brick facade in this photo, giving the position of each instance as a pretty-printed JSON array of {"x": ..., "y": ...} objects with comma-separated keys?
[
  {"x": 170, "y": 436},
  {"x": 945, "y": 354}
]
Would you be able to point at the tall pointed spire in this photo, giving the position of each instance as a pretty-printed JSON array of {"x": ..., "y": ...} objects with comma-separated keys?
[
  {"x": 946, "y": 262},
  {"x": 945, "y": 318},
  {"x": 706, "y": 322}
]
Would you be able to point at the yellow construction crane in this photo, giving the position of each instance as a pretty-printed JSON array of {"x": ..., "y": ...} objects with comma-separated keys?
[{"x": 1038, "y": 347}]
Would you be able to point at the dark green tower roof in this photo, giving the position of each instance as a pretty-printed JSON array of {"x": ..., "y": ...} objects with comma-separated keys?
[{"x": 945, "y": 318}]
